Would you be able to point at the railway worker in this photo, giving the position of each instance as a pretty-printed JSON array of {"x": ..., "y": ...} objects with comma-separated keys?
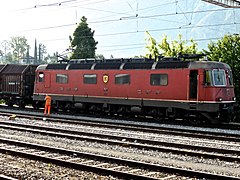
[{"x": 47, "y": 108}]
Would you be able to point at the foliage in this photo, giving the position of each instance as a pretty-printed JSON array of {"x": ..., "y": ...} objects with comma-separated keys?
[
  {"x": 99, "y": 56},
  {"x": 169, "y": 49},
  {"x": 51, "y": 58},
  {"x": 152, "y": 46},
  {"x": 9, "y": 58},
  {"x": 2, "y": 101},
  {"x": 5, "y": 47},
  {"x": 11, "y": 51},
  {"x": 41, "y": 51},
  {"x": 83, "y": 43},
  {"x": 227, "y": 50},
  {"x": 6, "y": 55},
  {"x": 19, "y": 46}
]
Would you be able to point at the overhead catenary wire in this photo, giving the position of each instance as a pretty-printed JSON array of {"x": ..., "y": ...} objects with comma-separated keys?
[
  {"x": 161, "y": 15},
  {"x": 154, "y": 30},
  {"x": 57, "y": 4},
  {"x": 124, "y": 18},
  {"x": 128, "y": 18},
  {"x": 142, "y": 45}
]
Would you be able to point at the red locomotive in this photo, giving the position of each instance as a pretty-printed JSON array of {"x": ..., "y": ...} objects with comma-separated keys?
[{"x": 199, "y": 90}]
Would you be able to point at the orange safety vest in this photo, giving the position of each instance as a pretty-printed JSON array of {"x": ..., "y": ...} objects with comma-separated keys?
[{"x": 48, "y": 100}]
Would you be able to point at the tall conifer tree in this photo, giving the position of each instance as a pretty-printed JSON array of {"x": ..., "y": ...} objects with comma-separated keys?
[{"x": 83, "y": 43}]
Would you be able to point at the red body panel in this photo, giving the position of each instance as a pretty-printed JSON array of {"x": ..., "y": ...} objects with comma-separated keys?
[{"x": 139, "y": 87}]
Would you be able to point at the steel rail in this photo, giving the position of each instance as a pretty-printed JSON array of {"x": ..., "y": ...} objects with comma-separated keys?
[
  {"x": 155, "y": 167},
  {"x": 161, "y": 146},
  {"x": 134, "y": 127},
  {"x": 3, "y": 177},
  {"x": 95, "y": 118}
]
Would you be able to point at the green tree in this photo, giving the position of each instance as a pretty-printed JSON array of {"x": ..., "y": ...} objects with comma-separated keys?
[
  {"x": 83, "y": 43},
  {"x": 227, "y": 50},
  {"x": 169, "y": 49},
  {"x": 152, "y": 46},
  {"x": 19, "y": 47},
  {"x": 51, "y": 58},
  {"x": 9, "y": 58},
  {"x": 99, "y": 56},
  {"x": 5, "y": 47},
  {"x": 41, "y": 52}
]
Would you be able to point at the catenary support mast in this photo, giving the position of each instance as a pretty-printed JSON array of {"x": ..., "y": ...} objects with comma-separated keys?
[{"x": 225, "y": 3}]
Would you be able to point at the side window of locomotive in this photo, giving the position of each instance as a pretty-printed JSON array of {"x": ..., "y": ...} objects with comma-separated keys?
[
  {"x": 219, "y": 77},
  {"x": 122, "y": 79},
  {"x": 41, "y": 77},
  {"x": 230, "y": 78},
  {"x": 90, "y": 79},
  {"x": 208, "y": 78},
  {"x": 62, "y": 78},
  {"x": 159, "y": 79}
]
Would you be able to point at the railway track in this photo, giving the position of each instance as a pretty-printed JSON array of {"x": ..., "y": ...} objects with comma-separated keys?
[
  {"x": 106, "y": 120},
  {"x": 227, "y": 155},
  {"x": 208, "y": 133},
  {"x": 3, "y": 177},
  {"x": 117, "y": 167},
  {"x": 140, "y": 143}
]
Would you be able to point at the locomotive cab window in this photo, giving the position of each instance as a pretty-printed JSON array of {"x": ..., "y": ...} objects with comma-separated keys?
[
  {"x": 208, "y": 78},
  {"x": 219, "y": 77},
  {"x": 159, "y": 79},
  {"x": 41, "y": 77},
  {"x": 62, "y": 78},
  {"x": 230, "y": 78},
  {"x": 90, "y": 79},
  {"x": 122, "y": 79}
]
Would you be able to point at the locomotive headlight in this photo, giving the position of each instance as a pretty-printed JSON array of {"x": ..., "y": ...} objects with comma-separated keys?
[
  {"x": 234, "y": 98},
  {"x": 220, "y": 99}
]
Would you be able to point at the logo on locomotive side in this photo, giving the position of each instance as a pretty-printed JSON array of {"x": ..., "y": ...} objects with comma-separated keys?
[{"x": 105, "y": 78}]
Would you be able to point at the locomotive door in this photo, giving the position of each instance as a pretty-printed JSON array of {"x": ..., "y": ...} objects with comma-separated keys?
[
  {"x": 47, "y": 82},
  {"x": 193, "y": 84}
]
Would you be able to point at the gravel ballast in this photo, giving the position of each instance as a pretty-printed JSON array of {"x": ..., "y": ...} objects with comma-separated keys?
[{"x": 169, "y": 159}]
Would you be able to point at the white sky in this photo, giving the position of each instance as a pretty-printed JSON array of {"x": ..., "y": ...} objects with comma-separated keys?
[{"x": 117, "y": 29}]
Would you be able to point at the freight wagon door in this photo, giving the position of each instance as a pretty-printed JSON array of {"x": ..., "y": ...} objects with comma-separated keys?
[
  {"x": 193, "y": 84},
  {"x": 47, "y": 82}
]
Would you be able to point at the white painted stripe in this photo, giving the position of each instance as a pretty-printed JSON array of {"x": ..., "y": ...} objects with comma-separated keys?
[{"x": 144, "y": 99}]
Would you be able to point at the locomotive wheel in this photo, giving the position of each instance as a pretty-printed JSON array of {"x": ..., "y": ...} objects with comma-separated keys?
[
  {"x": 159, "y": 118},
  {"x": 195, "y": 121},
  {"x": 22, "y": 105},
  {"x": 10, "y": 104},
  {"x": 209, "y": 118},
  {"x": 36, "y": 105},
  {"x": 236, "y": 118}
]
